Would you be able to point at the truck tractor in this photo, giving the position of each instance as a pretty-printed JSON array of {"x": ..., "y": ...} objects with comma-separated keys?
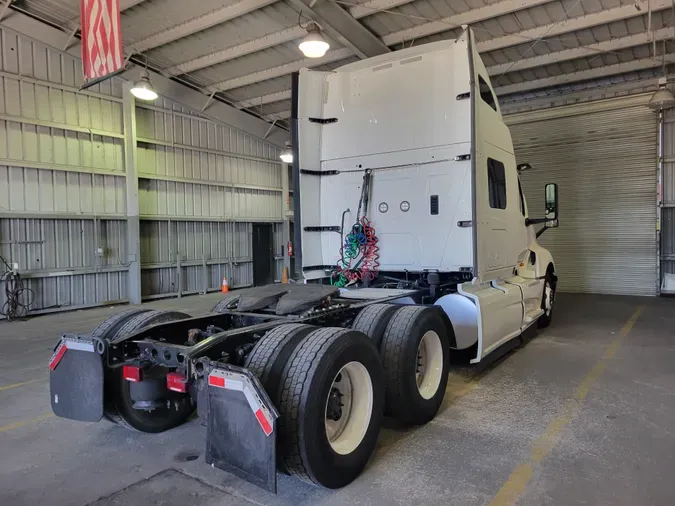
[{"x": 413, "y": 243}]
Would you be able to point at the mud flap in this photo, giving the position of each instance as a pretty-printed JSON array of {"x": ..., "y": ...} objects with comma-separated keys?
[
  {"x": 241, "y": 426},
  {"x": 76, "y": 380}
]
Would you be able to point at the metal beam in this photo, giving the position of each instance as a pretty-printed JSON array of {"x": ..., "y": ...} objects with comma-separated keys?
[
  {"x": 273, "y": 39},
  {"x": 584, "y": 75},
  {"x": 233, "y": 52},
  {"x": 199, "y": 23},
  {"x": 508, "y": 6},
  {"x": 133, "y": 220},
  {"x": 575, "y": 97},
  {"x": 580, "y": 52},
  {"x": 281, "y": 70},
  {"x": 571, "y": 25},
  {"x": 265, "y": 99},
  {"x": 275, "y": 116},
  {"x": 128, "y": 4},
  {"x": 465, "y": 18},
  {"x": 375, "y": 6},
  {"x": 341, "y": 26}
]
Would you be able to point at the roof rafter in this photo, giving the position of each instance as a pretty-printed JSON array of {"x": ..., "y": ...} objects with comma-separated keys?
[
  {"x": 281, "y": 70},
  {"x": 265, "y": 99},
  {"x": 375, "y": 6},
  {"x": 128, "y": 4},
  {"x": 199, "y": 23},
  {"x": 573, "y": 24},
  {"x": 278, "y": 116},
  {"x": 272, "y": 39},
  {"x": 579, "y": 52},
  {"x": 465, "y": 18},
  {"x": 230, "y": 53},
  {"x": 584, "y": 75},
  {"x": 508, "y": 6}
]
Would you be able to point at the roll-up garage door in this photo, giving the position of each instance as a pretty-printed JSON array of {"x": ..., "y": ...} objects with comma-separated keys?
[{"x": 603, "y": 156}]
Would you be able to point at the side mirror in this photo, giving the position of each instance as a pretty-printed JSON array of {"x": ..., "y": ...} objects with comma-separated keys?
[
  {"x": 551, "y": 200},
  {"x": 523, "y": 167}
]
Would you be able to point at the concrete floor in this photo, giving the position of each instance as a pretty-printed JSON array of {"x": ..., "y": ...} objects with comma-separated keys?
[{"x": 582, "y": 414}]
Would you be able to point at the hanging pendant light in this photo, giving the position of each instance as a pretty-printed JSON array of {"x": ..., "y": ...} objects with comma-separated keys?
[
  {"x": 662, "y": 98},
  {"x": 287, "y": 154},
  {"x": 143, "y": 89},
  {"x": 313, "y": 45}
]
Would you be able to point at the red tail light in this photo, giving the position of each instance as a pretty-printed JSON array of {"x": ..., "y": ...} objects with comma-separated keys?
[{"x": 132, "y": 373}]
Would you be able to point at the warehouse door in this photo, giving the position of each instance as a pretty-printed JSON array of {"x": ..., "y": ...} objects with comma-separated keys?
[
  {"x": 262, "y": 254},
  {"x": 603, "y": 156}
]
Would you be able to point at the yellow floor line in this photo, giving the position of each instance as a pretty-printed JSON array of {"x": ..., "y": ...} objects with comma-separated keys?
[
  {"x": 15, "y": 385},
  {"x": 21, "y": 423},
  {"x": 516, "y": 484}
]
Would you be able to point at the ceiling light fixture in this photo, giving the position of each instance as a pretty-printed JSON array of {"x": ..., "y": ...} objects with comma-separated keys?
[
  {"x": 143, "y": 89},
  {"x": 287, "y": 154},
  {"x": 313, "y": 45},
  {"x": 662, "y": 98}
]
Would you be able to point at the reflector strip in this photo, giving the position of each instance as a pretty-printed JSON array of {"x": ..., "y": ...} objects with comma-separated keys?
[
  {"x": 224, "y": 380},
  {"x": 217, "y": 381},
  {"x": 252, "y": 401},
  {"x": 58, "y": 355},
  {"x": 79, "y": 345},
  {"x": 231, "y": 384},
  {"x": 266, "y": 426}
]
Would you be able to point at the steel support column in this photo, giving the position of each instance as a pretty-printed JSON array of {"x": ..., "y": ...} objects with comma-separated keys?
[
  {"x": 286, "y": 224},
  {"x": 133, "y": 220}
]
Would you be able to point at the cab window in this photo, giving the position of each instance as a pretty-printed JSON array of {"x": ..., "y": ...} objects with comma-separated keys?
[{"x": 496, "y": 184}]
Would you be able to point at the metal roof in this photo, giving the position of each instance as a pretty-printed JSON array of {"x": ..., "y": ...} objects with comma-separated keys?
[{"x": 245, "y": 50}]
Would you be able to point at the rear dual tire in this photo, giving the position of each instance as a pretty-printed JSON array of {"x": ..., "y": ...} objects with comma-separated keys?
[
  {"x": 415, "y": 353},
  {"x": 330, "y": 397}
]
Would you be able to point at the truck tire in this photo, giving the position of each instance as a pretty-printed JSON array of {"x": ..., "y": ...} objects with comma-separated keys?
[
  {"x": 331, "y": 406},
  {"x": 110, "y": 326},
  {"x": 373, "y": 320},
  {"x": 270, "y": 355},
  {"x": 107, "y": 330},
  {"x": 547, "y": 300},
  {"x": 415, "y": 354},
  {"x": 224, "y": 304},
  {"x": 119, "y": 408}
]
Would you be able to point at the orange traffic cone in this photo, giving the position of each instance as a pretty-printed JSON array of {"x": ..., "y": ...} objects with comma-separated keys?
[{"x": 225, "y": 288}]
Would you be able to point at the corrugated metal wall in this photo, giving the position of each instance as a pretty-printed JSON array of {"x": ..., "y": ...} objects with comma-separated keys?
[
  {"x": 603, "y": 157},
  {"x": 63, "y": 187},
  {"x": 201, "y": 184}
]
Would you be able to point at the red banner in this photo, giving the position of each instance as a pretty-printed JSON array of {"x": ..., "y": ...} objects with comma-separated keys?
[{"x": 101, "y": 37}]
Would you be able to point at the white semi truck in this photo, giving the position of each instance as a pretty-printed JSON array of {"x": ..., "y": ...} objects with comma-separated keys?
[{"x": 414, "y": 241}]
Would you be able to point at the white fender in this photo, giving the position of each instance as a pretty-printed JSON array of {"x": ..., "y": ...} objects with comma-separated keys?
[{"x": 463, "y": 315}]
